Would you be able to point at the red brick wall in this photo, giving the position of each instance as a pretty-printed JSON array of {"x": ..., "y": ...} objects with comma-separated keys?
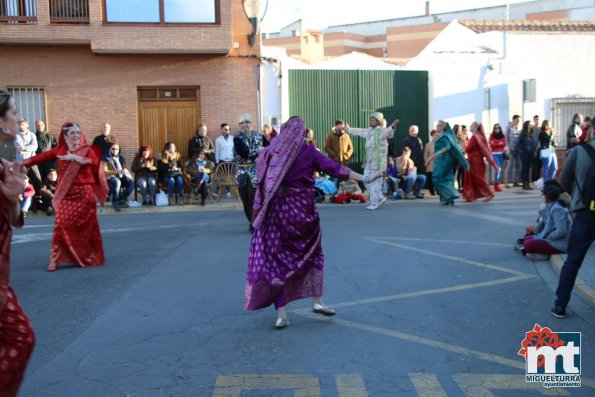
[{"x": 93, "y": 89}]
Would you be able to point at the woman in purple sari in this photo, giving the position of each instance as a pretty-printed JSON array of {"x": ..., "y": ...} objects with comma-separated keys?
[{"x": 286, "y": 260}]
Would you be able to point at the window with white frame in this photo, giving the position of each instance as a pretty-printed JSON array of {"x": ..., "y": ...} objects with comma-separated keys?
[
  {"x": 30, "y": 103},
  {"x": 161, "y": 11}
]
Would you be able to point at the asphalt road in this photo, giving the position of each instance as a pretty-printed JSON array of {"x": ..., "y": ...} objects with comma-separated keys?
[{"x": 430, "y": 300}]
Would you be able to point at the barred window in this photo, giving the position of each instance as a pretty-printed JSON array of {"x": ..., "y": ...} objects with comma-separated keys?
[{"x": 30, "y": 103}]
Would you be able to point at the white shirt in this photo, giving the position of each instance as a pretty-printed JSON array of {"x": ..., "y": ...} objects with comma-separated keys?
[{"x": 224, "y": 149}]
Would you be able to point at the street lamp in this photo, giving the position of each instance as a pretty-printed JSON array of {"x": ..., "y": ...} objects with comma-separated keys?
[{"x": 255, "y": 10}]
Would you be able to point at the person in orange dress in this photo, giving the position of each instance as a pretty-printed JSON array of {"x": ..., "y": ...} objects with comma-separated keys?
[
  {"x": 475, "y": 185},
  {"x": 76, "y": 238}
]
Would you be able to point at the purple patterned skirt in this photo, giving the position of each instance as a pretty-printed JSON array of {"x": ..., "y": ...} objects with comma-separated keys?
[{"x": 286, "y": 260}]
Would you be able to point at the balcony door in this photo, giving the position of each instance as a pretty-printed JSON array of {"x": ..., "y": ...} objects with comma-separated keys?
[{"x": 168, "y": 115}]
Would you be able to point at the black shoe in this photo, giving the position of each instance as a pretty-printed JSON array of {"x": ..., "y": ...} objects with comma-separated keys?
[
  {"x": 559, "y": 311},
  {"x": 144, "y": 203},
  {"x": 50, "y": 211},
  {"x": 116, "y": 206},
  {"x": 124, "y": 204},
  {"x": 202, "y": 202},
  {"x": 520, "y": 241},
  {"x": 516, "y": 185},
  {"x": 150, "y": 203},
  {"x": 522, "y": 249}
]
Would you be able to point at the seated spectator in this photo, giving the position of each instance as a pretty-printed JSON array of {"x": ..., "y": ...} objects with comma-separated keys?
[
  {"x": 199, "y": 169},
  {"x": 118, "y": 177},
  {"x": 407, "y": 170},
  {"x": 145, "y": 173},
  {"x": 170, "y": 173},
  {"x": 550, "y": 234},
  {"x": 27, "y": 197},
  {"x": 323, "y": 183},
  {"x": 349, "y": 190},
  {"x": 47, "y": 191}
]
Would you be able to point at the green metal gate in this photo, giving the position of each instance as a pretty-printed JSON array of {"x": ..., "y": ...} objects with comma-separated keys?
[{"x": 322, "y": 96}]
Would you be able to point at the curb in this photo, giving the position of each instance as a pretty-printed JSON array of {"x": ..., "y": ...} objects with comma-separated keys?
[{"x": 582, "y": 287}]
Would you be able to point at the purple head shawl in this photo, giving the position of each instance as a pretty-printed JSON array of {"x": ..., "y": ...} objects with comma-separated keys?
[{"x": 273, "y": 163}]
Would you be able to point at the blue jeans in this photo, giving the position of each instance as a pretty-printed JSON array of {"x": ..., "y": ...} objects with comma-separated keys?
[
  {"x": 26, "y": 203},
  {"x": 115, "y": 184},
  {"x": 550, "y": 166},
  {"x": 514, "y": 167},
  {"x": 411, "y": 179},
  {"x": 580, "y": 239},
  {"x": 172, "y": 182},
  {"x": 499, "y": 159},
  {"x": 147, "y": 187}
]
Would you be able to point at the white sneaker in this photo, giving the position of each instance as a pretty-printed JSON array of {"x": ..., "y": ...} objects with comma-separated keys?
[
  {"x": 228, "y": 194},
  {"x": 372, "y": 206},
  {"x": 281, "y": 323},
  {"x": 382, "y": 201}
]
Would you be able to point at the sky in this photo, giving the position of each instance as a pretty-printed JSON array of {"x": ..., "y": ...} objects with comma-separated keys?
[{"x": 318, "y": 14}]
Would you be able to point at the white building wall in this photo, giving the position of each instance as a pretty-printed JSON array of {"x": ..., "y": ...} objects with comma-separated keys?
[{"x": 465, "y": 68}]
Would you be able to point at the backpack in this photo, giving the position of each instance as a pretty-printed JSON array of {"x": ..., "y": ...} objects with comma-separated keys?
[{"x": 589, "y": 182}]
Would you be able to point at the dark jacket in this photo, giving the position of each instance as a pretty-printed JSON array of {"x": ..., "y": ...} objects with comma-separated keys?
[
  {"x": 526, "y": 143},
  {"x": 45, "y": 141},
  {"x": 198, "y": 143},
  {"x": 417, "y": 151},
  {"x": 104, "y": 143}
]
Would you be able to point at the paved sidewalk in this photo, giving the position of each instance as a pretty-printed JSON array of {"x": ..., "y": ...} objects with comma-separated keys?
[{"x": 585, "y": 282}]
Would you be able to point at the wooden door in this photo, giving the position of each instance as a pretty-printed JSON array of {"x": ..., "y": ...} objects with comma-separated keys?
[{"x": 168, "y": 121}]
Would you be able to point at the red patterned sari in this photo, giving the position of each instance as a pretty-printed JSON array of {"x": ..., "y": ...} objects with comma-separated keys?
[{"x": 76, "y": 238}]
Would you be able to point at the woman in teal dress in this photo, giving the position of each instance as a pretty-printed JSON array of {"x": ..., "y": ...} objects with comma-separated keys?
[{"x": 447, "y": 157}]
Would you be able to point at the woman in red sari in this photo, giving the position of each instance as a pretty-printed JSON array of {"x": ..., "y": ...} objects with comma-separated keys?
[
  {"x": 475, "y": 185},
  {"x": 76, "y": 237},
  {"x": 16, "y": 333}
]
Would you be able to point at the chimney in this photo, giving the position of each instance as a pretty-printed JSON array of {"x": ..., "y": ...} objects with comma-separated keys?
[{"x": 427, "y": 8}]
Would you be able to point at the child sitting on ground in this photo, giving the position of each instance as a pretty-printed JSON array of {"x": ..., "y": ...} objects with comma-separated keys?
[
  {"x": 27, "y": 197},
  {"x": 349, "y": 190}
]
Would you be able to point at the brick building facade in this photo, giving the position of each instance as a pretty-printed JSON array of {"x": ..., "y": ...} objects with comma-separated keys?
[{"x": 149, "y": 81}]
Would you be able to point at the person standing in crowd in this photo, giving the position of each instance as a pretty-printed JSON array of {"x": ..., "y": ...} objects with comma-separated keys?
[
  {"x": 477, "y": 150},
  {"x": 169, "y": 169},
  {"x": 268, "y": 133},
  {"x": 119, "y": 178},
  {"x": 28, "y": 146},
  {"x": 574, "y": 131},
  {"x": 104, "y": 141},
  {"x": 575, "y": 179},
  {"x": 200, "y": 141},
  {"x": 224, "y": 146},
  {"x": 286, "y": 262},
  {"x": 247, "y": 145},
  {"x": 512, "y": 173},
  {"x": 429, "y": 161},
  {"x": 338, "y": 145},
  {"x": 498, "y": 148},
  {"x": 45, "y": 141},
  {"x": 526, "y": 146},
  {"x": 547, "y": 151},
  {"x": 584, "y": 138},
  {"x": 414, "y": 143},
  {"x": 145, "y": 173},
  {"x": 76, "y": 237},
  {"x": 461, "y": 135},
  {"x": 376, "y": 154},
  {"x": 447, "y": 157}
]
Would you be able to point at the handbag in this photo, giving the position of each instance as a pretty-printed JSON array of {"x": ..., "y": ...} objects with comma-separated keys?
[
  {"x": 161, "y": 199},
  {"x": 506, "y": 156},
  {"x": 545, "y": 153}
]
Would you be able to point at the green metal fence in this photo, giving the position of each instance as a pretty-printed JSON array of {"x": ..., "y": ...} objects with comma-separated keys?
[{"x": 322, "y": 96}]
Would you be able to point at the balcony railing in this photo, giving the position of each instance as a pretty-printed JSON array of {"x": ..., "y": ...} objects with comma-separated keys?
[
  {"x": 69, "y": 11},
  {"x": 18, "y": 11}
]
